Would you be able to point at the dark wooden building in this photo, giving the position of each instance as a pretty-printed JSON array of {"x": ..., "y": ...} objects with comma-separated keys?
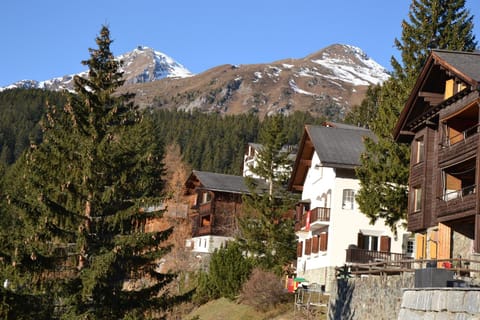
[
  {"x": 440, "y": 122},
  {"x": 215, "y": 204}
]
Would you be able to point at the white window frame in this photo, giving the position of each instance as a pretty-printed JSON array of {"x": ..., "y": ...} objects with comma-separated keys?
[{"x": 348, "y": 199}]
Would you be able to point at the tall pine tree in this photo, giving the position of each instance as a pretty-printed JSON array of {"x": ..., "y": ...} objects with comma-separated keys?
[
  {"x": 383, "y": 174},
  {"x": 85, "y": 195},
  {"x": 267, "y": 230}
]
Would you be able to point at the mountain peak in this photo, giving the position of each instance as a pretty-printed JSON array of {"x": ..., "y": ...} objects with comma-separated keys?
[
  {"x": 350, "y": 64},
  {"x": 142, "y": 64}
]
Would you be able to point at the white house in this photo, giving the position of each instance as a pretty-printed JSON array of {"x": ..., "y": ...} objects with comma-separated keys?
[{"x": 330, "y": 228}]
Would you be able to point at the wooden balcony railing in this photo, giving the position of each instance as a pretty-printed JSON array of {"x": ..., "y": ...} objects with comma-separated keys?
[
  {"x": 317, "y": 215},
  {"x": 205, "y": 208},
  {"x": 464, "y": 145},
  {"x": 464, "y": 200},
  {"x": 355, "y": 255},
  {"x": 202, "y": 231}
]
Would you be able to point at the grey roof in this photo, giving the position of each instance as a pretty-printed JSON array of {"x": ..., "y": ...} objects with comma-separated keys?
[
  {"x": 338, "y": 147},
  {"x": 221, "y": 182},
  {"x": 467, "y": 63}
]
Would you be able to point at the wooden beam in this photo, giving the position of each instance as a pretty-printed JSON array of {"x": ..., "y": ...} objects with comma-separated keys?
[{"x": 432, "y": 98}]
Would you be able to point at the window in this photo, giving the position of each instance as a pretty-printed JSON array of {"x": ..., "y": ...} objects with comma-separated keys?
[
  {"x": 419, "y": 150},
  {"x": 206, "y": 197},
  {"x": 417, "y": 199},
  {"x": 348, "y": 199},
  {"x": 205, "y": 221},
  {"x": 410, "y": 244},
  {"x": 368, "y": 242}
]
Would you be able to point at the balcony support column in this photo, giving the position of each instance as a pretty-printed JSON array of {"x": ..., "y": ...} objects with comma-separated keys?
[{"x": 476, "y": 240}]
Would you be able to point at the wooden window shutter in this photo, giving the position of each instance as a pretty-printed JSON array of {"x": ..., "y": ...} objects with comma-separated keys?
[
  {"x": 385, "y": 242},
  {"x": 360, "y": 240},
  {"x": 433, "y": 244},
  {"x": 299, "y": 249},
  {"x": 308, "y": 246},
  {"x": 315, "y": 245},
  {"x": 298, "y": 213},
  {"x": 420, "y": 246},
  {"x": 444, "y": 239},
  {"x": 323, "y": 241}
]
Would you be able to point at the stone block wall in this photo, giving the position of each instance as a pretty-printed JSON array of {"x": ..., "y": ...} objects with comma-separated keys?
[
  {"x": 440, "y": 303},
  {"x": 368, "y": 298}
]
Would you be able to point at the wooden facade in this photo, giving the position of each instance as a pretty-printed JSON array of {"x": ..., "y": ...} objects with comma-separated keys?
[
  {"x": 440, "y": 122},
  {"x": 213, "y": 209}
]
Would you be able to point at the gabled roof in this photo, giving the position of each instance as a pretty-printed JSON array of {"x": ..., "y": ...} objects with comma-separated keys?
[
  {"x": 426, "y": 98},
  {"x": 337, "y": 147},
  {"x": 220, "y": 182}
]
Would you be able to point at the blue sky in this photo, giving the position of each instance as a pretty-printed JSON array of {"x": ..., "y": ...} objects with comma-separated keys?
[{"x": 46, "y": 39}]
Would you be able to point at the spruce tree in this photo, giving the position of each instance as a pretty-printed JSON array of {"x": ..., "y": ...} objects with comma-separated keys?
[
  {"x": 383, "y": 174},
  {"x": 85, "y": 195},
  {"x": 267, "y": 231}
]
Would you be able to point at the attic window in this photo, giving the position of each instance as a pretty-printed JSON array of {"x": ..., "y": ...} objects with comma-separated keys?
[{"x": 453, "y": 87}]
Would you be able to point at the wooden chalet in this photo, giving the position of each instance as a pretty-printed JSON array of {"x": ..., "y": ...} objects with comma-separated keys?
[
  {"x": 440, "y": 122},
  {"x": 215, "y": 202}
]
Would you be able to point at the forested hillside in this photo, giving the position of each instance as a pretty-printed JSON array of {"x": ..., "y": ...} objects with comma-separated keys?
[
  {"x": 20, "y": 112},
  {"x": 208, "y": 141}
]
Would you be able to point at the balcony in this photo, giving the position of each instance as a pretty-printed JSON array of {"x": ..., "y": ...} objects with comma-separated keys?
[
  {"x": 457, "y": 202},
  {"x": 315, "y": 218},
  {"x": 203, "y": 231},
  {"x": 459, "y": 145},
  {"x": 355, "y": 255},
  {"x": 205, "y": 208}
]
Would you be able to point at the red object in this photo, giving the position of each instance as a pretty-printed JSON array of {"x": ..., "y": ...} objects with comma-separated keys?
[
  {"x": 447, "y": 265},
  {"x": 290, "y": 285},
  {"x": 307, "y": 223}
]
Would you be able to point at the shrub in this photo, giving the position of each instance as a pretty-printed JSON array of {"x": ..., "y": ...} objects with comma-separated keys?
[{"x": 263, "y": 290}]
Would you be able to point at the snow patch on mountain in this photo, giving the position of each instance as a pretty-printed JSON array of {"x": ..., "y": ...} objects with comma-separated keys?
[{"x": 359, "y": 71}]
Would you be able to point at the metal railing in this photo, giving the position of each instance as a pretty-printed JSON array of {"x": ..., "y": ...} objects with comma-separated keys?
[
  {"x": 462, "y": 136},
  {"x": 455, "y": 194}
]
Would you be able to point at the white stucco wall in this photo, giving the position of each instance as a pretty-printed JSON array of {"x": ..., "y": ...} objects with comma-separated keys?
[
  {"x": 206, "y": 244},
  {"x": 323, "y": 189}
]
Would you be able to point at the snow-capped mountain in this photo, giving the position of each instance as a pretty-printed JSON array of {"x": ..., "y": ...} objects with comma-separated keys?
[
  {"x": 328, "y": 83},
  {"x": 350, "y": 64},
  {"x": 143, "y": 64}
]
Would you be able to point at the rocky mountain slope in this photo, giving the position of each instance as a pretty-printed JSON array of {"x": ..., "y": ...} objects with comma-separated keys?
[{"x": 328, "y": 82}]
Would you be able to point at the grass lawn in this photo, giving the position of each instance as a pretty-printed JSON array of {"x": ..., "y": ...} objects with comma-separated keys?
[{"x": 225, "y": 309}]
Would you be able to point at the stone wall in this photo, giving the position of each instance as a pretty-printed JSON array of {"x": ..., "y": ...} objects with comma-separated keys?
[
  {"x": 440, "y": 303},
  {"x": 368, "y": 298}
]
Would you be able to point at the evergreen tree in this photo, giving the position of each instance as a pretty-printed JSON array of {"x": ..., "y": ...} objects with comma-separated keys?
[
  {"x": 267, "y": 230},
  {"x": 228, "y": 271},
  {"x": 83, "y": 197},
  {"x": 383, "y": 174},
  {"x": 363, "y": 114}
]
